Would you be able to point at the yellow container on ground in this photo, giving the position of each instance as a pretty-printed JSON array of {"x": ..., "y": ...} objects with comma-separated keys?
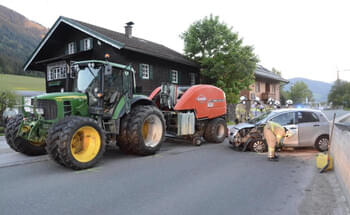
[{"x": 322, "y": 159}]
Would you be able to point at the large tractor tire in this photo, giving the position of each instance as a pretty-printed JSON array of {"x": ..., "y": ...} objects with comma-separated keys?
[
  {"x": 146, "y": 129},
  {"x": 76, "y": 142},
  {"x": 18, "y": 143},
  {"x": 216, "y": 130},
  {"x": 122, "y": 140}
]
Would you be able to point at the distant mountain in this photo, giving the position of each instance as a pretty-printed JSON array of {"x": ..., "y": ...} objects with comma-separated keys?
[
  {"x": 18, "y": 39},
  {"x": 319, "y": 89}
]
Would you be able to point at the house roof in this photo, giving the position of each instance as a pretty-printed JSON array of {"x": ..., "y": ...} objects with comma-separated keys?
[
  {"x": 261, "y": 71},
  {"x": 117, "y": 40}
]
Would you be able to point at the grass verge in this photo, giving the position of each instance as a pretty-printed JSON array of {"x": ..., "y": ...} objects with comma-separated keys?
[{"x": 19, "y": 82}]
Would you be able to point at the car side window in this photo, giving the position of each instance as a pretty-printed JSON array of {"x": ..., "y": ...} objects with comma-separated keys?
[
  {"x": 284, "y": 119},
  {"x": 304, "y": 117}
]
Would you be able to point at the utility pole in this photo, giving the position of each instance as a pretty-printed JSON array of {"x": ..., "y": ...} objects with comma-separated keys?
[{"x": 338, "y": 71}]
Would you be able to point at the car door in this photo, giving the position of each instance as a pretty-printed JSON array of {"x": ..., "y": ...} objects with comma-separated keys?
[
  {"x": 309, "y": 127},
  {"x": 287, "y": 120}
]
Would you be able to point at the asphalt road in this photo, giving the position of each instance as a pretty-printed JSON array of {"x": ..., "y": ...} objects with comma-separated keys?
[{"x": 180, "y": 179}]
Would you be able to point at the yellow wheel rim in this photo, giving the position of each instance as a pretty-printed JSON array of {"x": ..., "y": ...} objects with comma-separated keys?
[
  {"x": 145, "y": 130},
  {"x": 85, "y": 144},
  {"x": 152, "y": 131}
]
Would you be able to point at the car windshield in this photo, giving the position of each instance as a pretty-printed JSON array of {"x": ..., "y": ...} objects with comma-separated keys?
[
  {"x": 257, "y": 119},
  {"x": 87, "y": 77}
]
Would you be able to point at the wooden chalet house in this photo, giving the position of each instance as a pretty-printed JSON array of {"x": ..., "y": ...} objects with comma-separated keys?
[
  {"x": 71, "y": 40},
  {"x": 266, "y": 85}
]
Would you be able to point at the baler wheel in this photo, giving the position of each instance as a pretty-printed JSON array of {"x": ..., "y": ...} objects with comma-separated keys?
[
  {"x": 76, "y": 142},
  {"x": 216, "y": 130},
  {"x": 146, "y": 129},
  {"x": 18, "y": 143}
]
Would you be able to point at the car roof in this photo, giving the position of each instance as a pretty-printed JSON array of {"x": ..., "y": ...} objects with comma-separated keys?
[{"x": 295, "y": 109}]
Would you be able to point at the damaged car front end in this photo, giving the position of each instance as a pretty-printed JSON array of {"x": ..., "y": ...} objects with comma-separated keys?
[{"x": 249, "y": 135}]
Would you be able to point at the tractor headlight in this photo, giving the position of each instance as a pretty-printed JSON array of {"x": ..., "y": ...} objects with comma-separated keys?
[{"x": 39, "y": 111}]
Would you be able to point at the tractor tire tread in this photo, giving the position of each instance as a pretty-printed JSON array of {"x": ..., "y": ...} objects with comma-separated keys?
[
  {"x": 19, "y": 144},
  {"x": 138, "y": 114},
  {"x": 60, "y": 135}
]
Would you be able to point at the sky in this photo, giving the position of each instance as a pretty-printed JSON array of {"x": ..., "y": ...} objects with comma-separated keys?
[{"x": 300, "y": 38}]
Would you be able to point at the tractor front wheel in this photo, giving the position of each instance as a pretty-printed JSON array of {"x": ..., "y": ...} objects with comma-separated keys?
[
  {"x": 20, "y": 144},
  {"x": 216, "y": 130},
  {"x": 146, "y": 129},
  {"x": 76, "y": 142}
]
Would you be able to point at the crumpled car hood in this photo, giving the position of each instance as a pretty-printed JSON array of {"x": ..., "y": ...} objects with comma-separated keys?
[{"x": 244, "y": 125}]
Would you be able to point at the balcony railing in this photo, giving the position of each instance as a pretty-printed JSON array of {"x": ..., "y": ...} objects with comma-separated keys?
[{"x": 266, "y": 96}]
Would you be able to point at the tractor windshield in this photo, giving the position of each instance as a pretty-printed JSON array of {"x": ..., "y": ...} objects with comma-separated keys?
[{"x": 86, "y": 79}]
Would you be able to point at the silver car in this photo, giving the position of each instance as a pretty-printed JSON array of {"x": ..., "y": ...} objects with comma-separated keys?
[{"x": 310, "y": 128}]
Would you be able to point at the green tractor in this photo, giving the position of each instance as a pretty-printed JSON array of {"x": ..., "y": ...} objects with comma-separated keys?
[{"x": 75, "y": 127}]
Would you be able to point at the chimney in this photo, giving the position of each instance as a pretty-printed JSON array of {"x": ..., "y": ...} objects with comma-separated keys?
[{"x": 128, "y": 29}]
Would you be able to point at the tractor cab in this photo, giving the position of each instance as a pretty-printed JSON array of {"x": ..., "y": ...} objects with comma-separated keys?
[{"x": 104, "y": 84}]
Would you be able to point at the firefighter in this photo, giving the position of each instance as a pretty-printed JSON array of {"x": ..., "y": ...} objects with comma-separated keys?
[
  {"x": 289, "y": 103},
  {"x": 254, "y": 109},
  {"x": 241, "y": 112},
  {"x": 274, "y": 134}
]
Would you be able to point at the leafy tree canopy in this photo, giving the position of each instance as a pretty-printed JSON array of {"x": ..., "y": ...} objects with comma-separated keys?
[
  {"x": 224, "y": 60},
  {"x": 299, "y": 92},
  {"x": 7, "y": 99},
  {"x": 340, "y": 93}
]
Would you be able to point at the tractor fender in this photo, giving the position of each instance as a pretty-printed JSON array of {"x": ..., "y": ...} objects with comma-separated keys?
[{"x": 136, "y": 100}]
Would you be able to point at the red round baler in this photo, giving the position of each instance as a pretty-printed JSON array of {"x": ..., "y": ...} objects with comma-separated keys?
[{"x": 196, "y": 111}]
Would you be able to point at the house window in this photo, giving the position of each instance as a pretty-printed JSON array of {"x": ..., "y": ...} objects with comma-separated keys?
[
  {"x": 72, "y": 47},
  {"x": 273, "y": 89},
  {"x": 257, "y": 87},
  {"x": 145, "y": 71},
  {"x": 174, "y": 76},
  {"x": 192, "y": 78},
  {"x": 56, "y": 71},
  {"x": 86, "y": 44}
]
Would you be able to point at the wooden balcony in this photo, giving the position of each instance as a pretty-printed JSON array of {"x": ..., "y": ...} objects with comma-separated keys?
[{"x": 266, "y": 96}]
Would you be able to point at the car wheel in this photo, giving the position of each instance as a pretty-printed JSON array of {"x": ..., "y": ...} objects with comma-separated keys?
[
  {"x": 258, "y": 146},
  {"x": 322, "y": 143}
]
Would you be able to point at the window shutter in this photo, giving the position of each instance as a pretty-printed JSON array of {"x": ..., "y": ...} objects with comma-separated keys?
[
  {"x": 75, "y": 47},
  {"x": 91, "y": 41},
  {"x": 150, "y": 72},
  {"x": 170, "y": 76},
  {"x": 140, "y": 70},
  {"x": 81, "y": 46},
  {"x": 178, "y": 77},
  {"x": 66, "y": 51}
]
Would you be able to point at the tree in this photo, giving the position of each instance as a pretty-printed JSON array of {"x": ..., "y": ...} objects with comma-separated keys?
[
  {"x": 7, "y": 99},
  {"x": 339, "y": 94},
  {"x": 277, "y": 72},
  {"x": 299, "y": 92},
  {"x": 284, "y": 94},
  {"x": 224, "y": 60}
]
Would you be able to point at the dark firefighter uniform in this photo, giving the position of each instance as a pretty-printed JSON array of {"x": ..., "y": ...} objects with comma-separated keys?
[{"x": 274, "y": 133}]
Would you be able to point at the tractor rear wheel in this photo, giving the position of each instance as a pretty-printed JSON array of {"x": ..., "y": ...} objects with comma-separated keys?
[
  {"x": 122, "y": 140},
  {"x": 216, "y": 130},
  {"x": 76, "y": 142},
  {"x": 20, "y": 144},
  {"x": 146, "y": 129}
]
